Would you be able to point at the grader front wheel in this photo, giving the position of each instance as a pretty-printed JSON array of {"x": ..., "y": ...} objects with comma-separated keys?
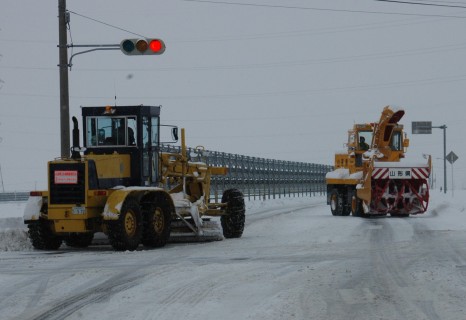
[{"x": 233, "y": 221}]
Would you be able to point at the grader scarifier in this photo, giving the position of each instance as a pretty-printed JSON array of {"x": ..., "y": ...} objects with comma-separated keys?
[
  {"x": 376, "y": 178},
  {"x": 121, "y": 184}
]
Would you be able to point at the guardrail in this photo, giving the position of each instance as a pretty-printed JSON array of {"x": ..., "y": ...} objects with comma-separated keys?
[
  {"x": 14, "y": 196},
  {"x": 260, "y": 178},
  {"x": 257, "y": 178}
]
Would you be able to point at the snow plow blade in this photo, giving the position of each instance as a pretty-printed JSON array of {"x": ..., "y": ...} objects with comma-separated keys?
[{"x": 209, "y": 231}]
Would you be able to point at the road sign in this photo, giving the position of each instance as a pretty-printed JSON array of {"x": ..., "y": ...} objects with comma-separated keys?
[
  {"x": 452, "y": 157},
  {"x": 421, "y": 127}
]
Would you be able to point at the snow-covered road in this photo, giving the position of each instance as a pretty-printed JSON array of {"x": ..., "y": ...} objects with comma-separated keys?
[{"x": 294, "y": 261}]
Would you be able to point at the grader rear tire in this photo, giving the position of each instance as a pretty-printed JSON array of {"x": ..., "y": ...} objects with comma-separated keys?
[
  {"x": 42, "y": 237},
  {"x": 233, "y": 221},
  {"x": 157, "y": 226},
  {"x": 126, "y": 232}
]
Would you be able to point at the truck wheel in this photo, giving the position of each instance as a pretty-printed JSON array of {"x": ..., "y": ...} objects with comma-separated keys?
[
  {"x": 157, "y": 226},
  {"x": 42, "y": 237},
  {"x": 79, "y": 240},
  {"x": 233, "y": 221},
  {"x": 336, "y": 203},
  {"x": 346, "y": 209},
  {"x": 126, "y": 232},
  {"x": 356, "y": 206}
]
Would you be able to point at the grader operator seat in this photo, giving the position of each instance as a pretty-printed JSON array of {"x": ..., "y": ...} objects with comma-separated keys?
[{"x": 124, "y": 143}]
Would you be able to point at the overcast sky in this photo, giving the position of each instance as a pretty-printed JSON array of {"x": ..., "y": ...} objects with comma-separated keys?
[{"x": 275, "y": 79}]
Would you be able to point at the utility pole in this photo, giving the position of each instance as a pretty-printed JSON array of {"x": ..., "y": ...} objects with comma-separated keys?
[
  {"x": 63, "y": 19},
  {"x": 425, "y": 127},
  {"x": 1, "y": 175},
  {"x": 130, "y": 47},
  {"x": 444, "y": 128},
  {"x": 1, "y": 178},
  {"x": 452, "y": 157}
]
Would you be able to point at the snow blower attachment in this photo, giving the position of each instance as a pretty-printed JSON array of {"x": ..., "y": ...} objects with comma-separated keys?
[
  {"x": 124, "y": 186},
  {"x": 376, "y": 179}
]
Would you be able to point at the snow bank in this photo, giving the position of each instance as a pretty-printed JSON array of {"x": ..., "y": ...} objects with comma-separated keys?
[
  {"x": 452, "y": 210},
  {"x": 13, "y": 232},
  {"x": 15, "y": 240}
]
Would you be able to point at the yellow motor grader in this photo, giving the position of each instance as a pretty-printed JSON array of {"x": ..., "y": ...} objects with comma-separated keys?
[
  {"x": 373, "y": 177},
  {"x": 121, "y": 184}
]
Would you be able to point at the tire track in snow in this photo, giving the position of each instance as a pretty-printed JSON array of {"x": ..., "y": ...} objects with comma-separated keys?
[
  {"x": 383, "y": 285},
  {"x": 271, "y": 213},
  {"x": 43, "y": 283},
  {"x": 68, "y": 305}
]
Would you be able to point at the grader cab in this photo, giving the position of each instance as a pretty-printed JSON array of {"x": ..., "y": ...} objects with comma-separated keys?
[{"x": 121, "y": 184}]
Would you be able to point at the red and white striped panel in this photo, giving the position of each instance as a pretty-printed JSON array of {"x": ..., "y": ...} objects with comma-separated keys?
[
  {"x": 420, "y": 173},
  {"x": 416, "y": 173},
  {"x": 380, "y": 173}
]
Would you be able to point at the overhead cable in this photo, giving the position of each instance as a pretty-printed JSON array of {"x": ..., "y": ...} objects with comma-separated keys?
[{"x": 325, "y": 9}]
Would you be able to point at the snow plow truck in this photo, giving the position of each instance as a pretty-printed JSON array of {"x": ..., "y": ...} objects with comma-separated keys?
[
  {"x": 121, "y": 184},
  {"x": 372, "y": 176}
]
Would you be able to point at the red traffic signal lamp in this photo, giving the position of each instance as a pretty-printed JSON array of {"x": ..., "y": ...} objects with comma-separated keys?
[{"x": 137, "y": 47}]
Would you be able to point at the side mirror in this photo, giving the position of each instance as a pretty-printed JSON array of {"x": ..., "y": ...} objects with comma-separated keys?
[
  {"x": 175, "y": 134},
  {"x": 406, "y": 143}
]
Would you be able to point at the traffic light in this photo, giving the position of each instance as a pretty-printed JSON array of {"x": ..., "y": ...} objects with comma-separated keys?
[{"x": 137, "y": 47}]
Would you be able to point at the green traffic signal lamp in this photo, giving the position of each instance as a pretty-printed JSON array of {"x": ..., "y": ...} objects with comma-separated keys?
[
  {"x": 137, "y": 47},
  {"x": 127, "y": 46}
]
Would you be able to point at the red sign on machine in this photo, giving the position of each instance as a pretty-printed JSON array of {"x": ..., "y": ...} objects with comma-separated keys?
[{"x": 66, "y": 177}]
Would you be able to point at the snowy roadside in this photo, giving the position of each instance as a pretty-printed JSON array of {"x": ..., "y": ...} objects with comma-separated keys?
[
  {"x": 452, "y": 210},
  {"x": 13, "y": 232}
]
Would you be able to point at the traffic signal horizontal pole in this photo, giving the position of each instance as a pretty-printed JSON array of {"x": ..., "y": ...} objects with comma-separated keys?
[
  {"x": 91, "y": 50},
  {"x": 93, "y": 45}
]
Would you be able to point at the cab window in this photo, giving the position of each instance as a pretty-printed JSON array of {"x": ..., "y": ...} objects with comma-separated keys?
[
  {"x": 364, "y": 140},
  {"x": 111, "y": 131},
  {"x": 396, "y": 143}
]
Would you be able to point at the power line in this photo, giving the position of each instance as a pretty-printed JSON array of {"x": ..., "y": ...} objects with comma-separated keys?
[
  {"x": 325, "y": 9},
  {"x": 107, "y": 24},
  {"x": 441, "y": 1},
  {"x": 242, "y": 95},
  {"x": 341, "y": 59},
  {"x": 423, "y": 4},
  {"x": 291, "y": 33},
  {"x": 331, "y": 90}
]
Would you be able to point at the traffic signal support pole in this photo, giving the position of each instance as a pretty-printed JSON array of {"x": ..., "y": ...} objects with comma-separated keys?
[
  {"x": 63, "y": 19},
  {"x": 142, "y": 46}
]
